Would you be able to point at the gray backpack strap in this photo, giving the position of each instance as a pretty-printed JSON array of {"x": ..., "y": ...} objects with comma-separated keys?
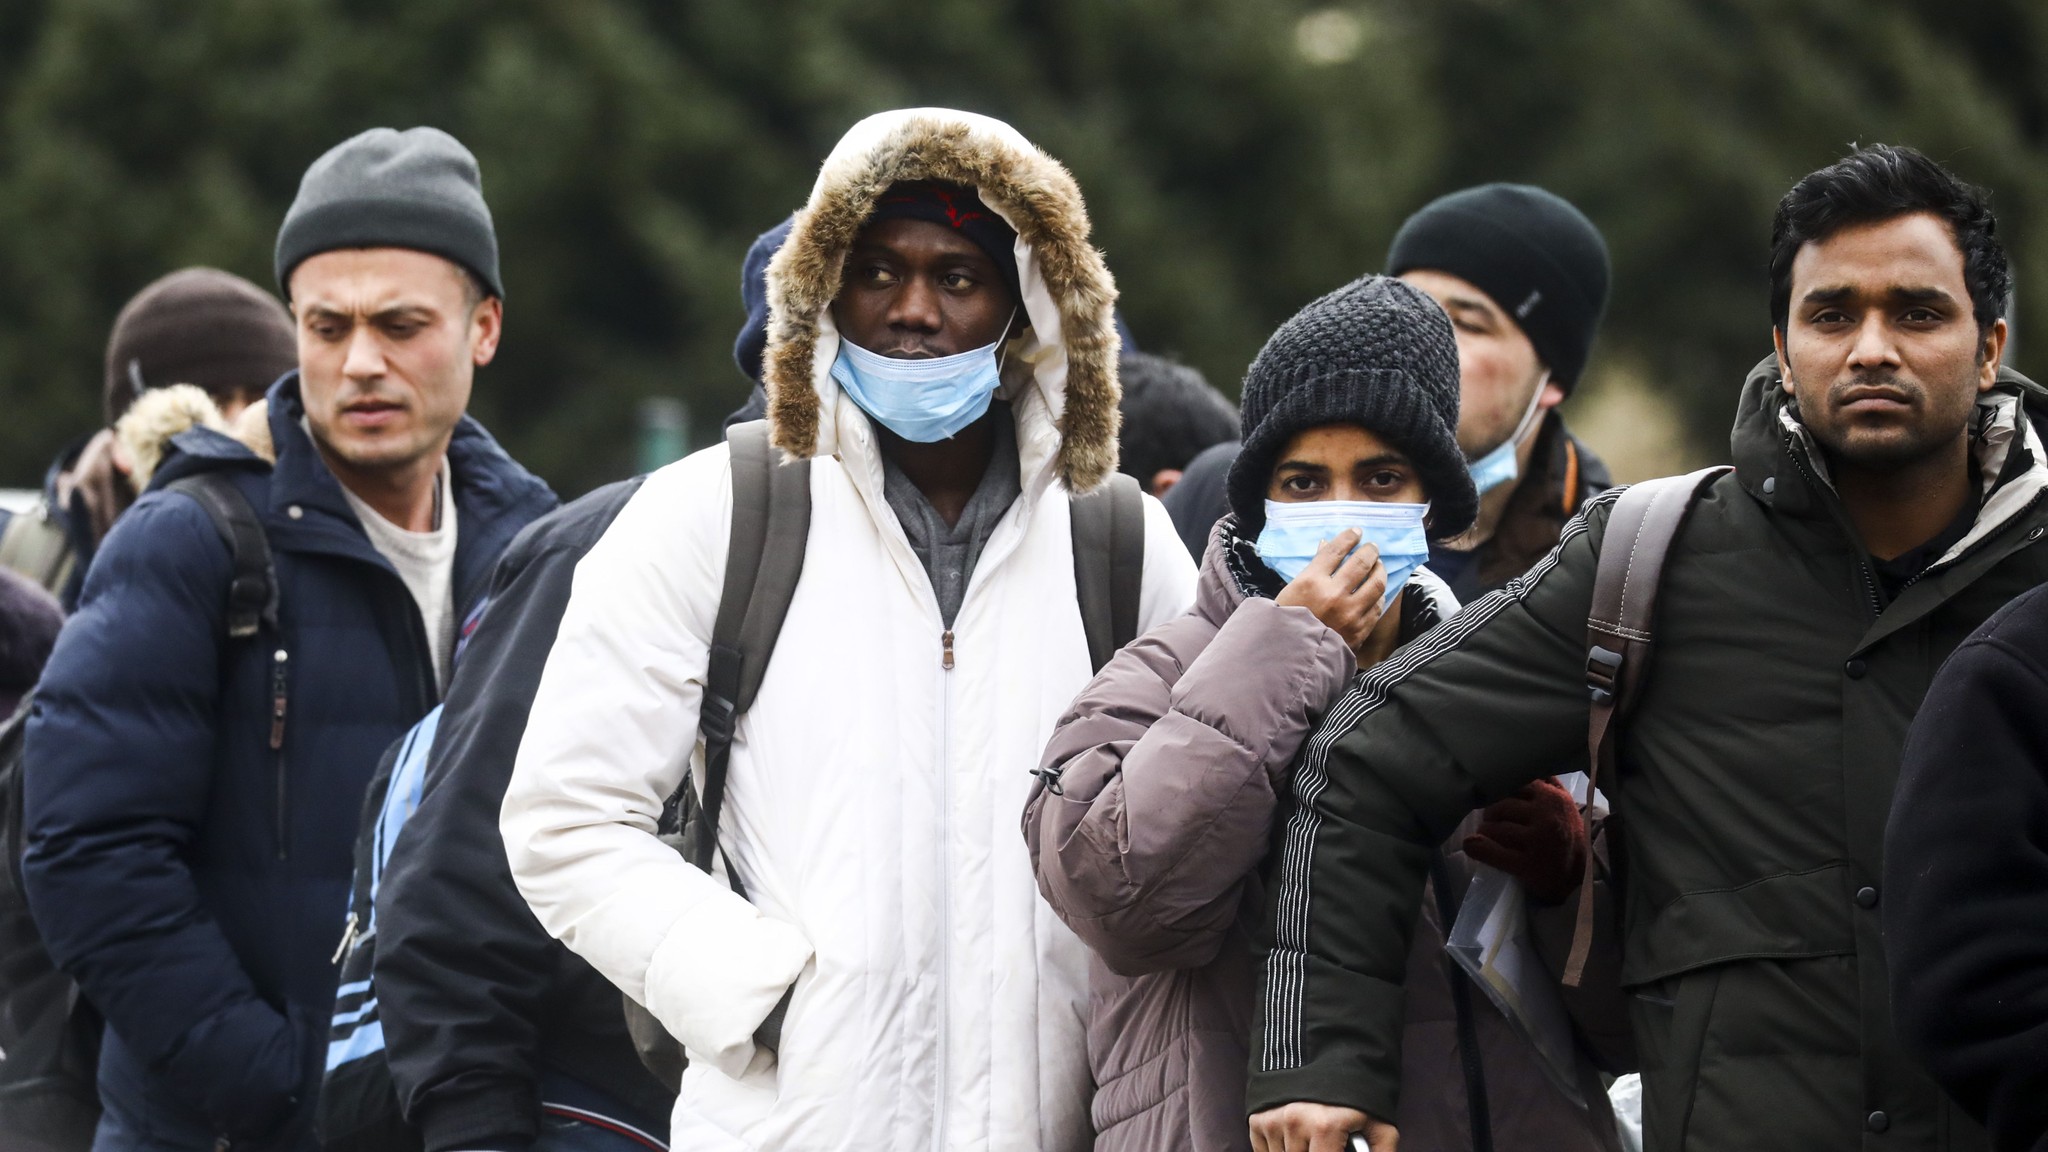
[
  {"x": 771, "y": 523},
  {"x": 1620, "y": 633},
  {"x": 1109, "y": 564},
  {"x": 34, "y": 545}
]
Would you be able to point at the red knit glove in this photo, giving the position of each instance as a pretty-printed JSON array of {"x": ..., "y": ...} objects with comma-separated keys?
[{"x": 1535, "y": 836}]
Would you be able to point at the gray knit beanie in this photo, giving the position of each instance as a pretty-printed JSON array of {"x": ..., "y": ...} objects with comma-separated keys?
[
  {"x": 1376, "y": 353},
  {"x": 414, "y": 189}
]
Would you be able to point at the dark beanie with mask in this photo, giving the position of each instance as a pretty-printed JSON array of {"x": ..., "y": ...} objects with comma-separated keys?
[
  {"x": 1538, "y": 257},
  {"x": 1375, "y": 353},
  {"x": 416, "y": 189}
]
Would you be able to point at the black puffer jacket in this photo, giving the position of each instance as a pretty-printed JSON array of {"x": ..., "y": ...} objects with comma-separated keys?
[
  {"x": 477, "y": 999},
  {"x": 1966, "y": 877}
]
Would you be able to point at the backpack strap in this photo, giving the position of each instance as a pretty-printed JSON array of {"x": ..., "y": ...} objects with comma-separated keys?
[
  {"x": 1620, "y": 634},
  {"x": 252, "y": 593},
  {"x": 1109, "y": 564},
  {"x": 771, "y": 523}
]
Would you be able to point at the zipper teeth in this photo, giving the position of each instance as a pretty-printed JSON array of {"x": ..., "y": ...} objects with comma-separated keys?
[
  {"x": 945, "y": 886},
  {"x": 1871, "y": 597}
]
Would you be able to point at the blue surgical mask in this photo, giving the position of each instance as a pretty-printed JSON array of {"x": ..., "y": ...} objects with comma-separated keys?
[
  {"x": 1500, "y": 466},
  {"x": 1294, "y": 532},
  {"x": 924, "y": 401}
]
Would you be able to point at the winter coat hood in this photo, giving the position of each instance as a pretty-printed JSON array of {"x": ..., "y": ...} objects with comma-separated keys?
[{"x": 1061, "y": 373}]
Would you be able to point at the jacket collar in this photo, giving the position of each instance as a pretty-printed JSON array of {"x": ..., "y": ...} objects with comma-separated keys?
[
  {"x": 306, "y": 511},
  {"x": 1777, "y": 463}
]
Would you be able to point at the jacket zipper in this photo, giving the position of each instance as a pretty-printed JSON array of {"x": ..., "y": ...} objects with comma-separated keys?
[
  {"x": 278, "y": 703},
  {"x": 1871, "y": 598},
  {"x": 945, "y": 886}
]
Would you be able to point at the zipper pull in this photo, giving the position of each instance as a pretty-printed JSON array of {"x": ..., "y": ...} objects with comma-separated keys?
[
  {"x": 946, "y": 656},
  {"x": 277, "y": 700},
  {"x": 348, "y": 938}
]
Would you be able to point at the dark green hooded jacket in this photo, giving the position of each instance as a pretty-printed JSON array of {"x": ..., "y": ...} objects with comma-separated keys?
[{"x": 1754, "y": 782}]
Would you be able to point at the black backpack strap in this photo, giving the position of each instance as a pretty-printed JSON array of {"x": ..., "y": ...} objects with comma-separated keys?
[
  {"x": 252, "y": 593},
  {"x": 1620, "y": 632},
  {"x": 771, "y": 523},
  {"x": 1109, "y": 564}
]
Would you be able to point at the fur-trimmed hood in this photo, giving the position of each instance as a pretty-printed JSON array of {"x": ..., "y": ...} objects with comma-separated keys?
[{"x": 1059, "y": 377}]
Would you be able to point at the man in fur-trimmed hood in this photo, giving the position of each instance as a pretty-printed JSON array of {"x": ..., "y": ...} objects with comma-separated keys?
[{"x": 940, "y": 346}]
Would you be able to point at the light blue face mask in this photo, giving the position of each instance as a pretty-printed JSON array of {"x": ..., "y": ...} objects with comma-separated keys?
[
  {"x": 1500, "y": 466},
  {"x": 1294, "y": 532},
  {"x": 924, "y": 401}
]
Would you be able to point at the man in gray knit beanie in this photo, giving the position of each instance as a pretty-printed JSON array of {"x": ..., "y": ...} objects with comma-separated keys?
[{"x": 195, "y": 784}]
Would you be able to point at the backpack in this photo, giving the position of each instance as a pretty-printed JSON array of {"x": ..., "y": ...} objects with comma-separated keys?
[
  {"x": 1620, "y": 633},
  {"x": 34, "y": 544},
  {"x": 771, "y": 518},
  {"x": 49, "y": 1033}
]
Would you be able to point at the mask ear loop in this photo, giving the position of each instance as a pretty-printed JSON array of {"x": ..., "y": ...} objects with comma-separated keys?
[
  {"x": 1004, "y": 340},
  {"x": 1529, "y": 417}
]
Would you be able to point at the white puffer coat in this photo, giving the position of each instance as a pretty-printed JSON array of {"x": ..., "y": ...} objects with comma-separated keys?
[{"x": 874, "y": 791}]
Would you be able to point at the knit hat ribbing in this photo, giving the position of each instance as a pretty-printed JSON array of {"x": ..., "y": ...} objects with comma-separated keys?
[
  {"x": 416, "y": 189},
  {"x": 1535, "y": 254},
  {"x": 1376, "y": 353},
  {"x": 197, "y": 326}
]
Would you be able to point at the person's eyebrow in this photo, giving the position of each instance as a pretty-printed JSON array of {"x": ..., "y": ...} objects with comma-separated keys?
[
  {"x": 1381, "y": 461},
  {"x": 1301, "y": 466},
  {"x": 403, "y": 311},
  {"x": 1920, "y": 294},
  {"x": 1470, "y": 304},
  {"x": 1832, "y": 294}
]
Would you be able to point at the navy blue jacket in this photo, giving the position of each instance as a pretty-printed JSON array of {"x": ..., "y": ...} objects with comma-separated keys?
[{"x": 192, "y": 879}]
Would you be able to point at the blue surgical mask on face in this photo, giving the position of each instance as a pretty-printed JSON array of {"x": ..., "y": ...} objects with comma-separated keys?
[
  {"x": 1294, "y": 532},
  {"x": 924, "y": 401},
  {"x": 1500, "y": 466}
]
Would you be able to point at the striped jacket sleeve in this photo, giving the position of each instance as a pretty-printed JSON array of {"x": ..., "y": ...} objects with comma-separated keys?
[{"x": 1465, "y": 714}]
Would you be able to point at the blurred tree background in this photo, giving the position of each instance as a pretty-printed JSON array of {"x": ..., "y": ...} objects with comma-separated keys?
[{"x": 1239, "y": 156}]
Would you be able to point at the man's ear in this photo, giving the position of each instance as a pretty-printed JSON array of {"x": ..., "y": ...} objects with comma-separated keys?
[
  {"x": 487, "y": 324},
  {"x": 1991, "y": 355},
  {"x": 1784, "y": 365},
  {"x": 1164, "y": 480}
]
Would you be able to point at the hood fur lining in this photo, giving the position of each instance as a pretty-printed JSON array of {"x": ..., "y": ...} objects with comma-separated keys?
[{"x": 1032, "y": 192}]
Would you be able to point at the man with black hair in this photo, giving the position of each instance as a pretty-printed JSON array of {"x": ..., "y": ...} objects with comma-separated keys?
[
  {"x": 1523, "y": 276},
  {"x": 1170, "y": 414},
  {"x": 1886, "y": 499}
]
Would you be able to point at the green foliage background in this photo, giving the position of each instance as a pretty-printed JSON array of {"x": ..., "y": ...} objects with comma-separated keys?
[{"x": 1240, "y": 157}]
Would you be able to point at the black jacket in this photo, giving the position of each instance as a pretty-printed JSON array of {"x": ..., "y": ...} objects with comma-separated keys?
[
  {"x": 476, "y": 997},
  {"x": 1966, "y": 877},
  {"x": 189, "y": 868}
]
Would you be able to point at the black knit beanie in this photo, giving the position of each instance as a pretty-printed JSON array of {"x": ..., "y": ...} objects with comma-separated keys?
[
  {"x": 197, "y": 326},
  {"x": 1538, "y": 257},
  {"x": 1376, "y": 353},
  {"x": 414, "y": 189}
]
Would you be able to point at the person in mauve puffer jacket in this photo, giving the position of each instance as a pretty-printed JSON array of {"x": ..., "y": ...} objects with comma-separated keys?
[{"x": 1157, "y": 804}]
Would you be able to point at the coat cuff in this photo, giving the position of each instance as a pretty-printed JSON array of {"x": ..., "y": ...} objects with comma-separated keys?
[
  {"x": 717, "y": 975},
  {"x": 501, "y": 1115}
]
